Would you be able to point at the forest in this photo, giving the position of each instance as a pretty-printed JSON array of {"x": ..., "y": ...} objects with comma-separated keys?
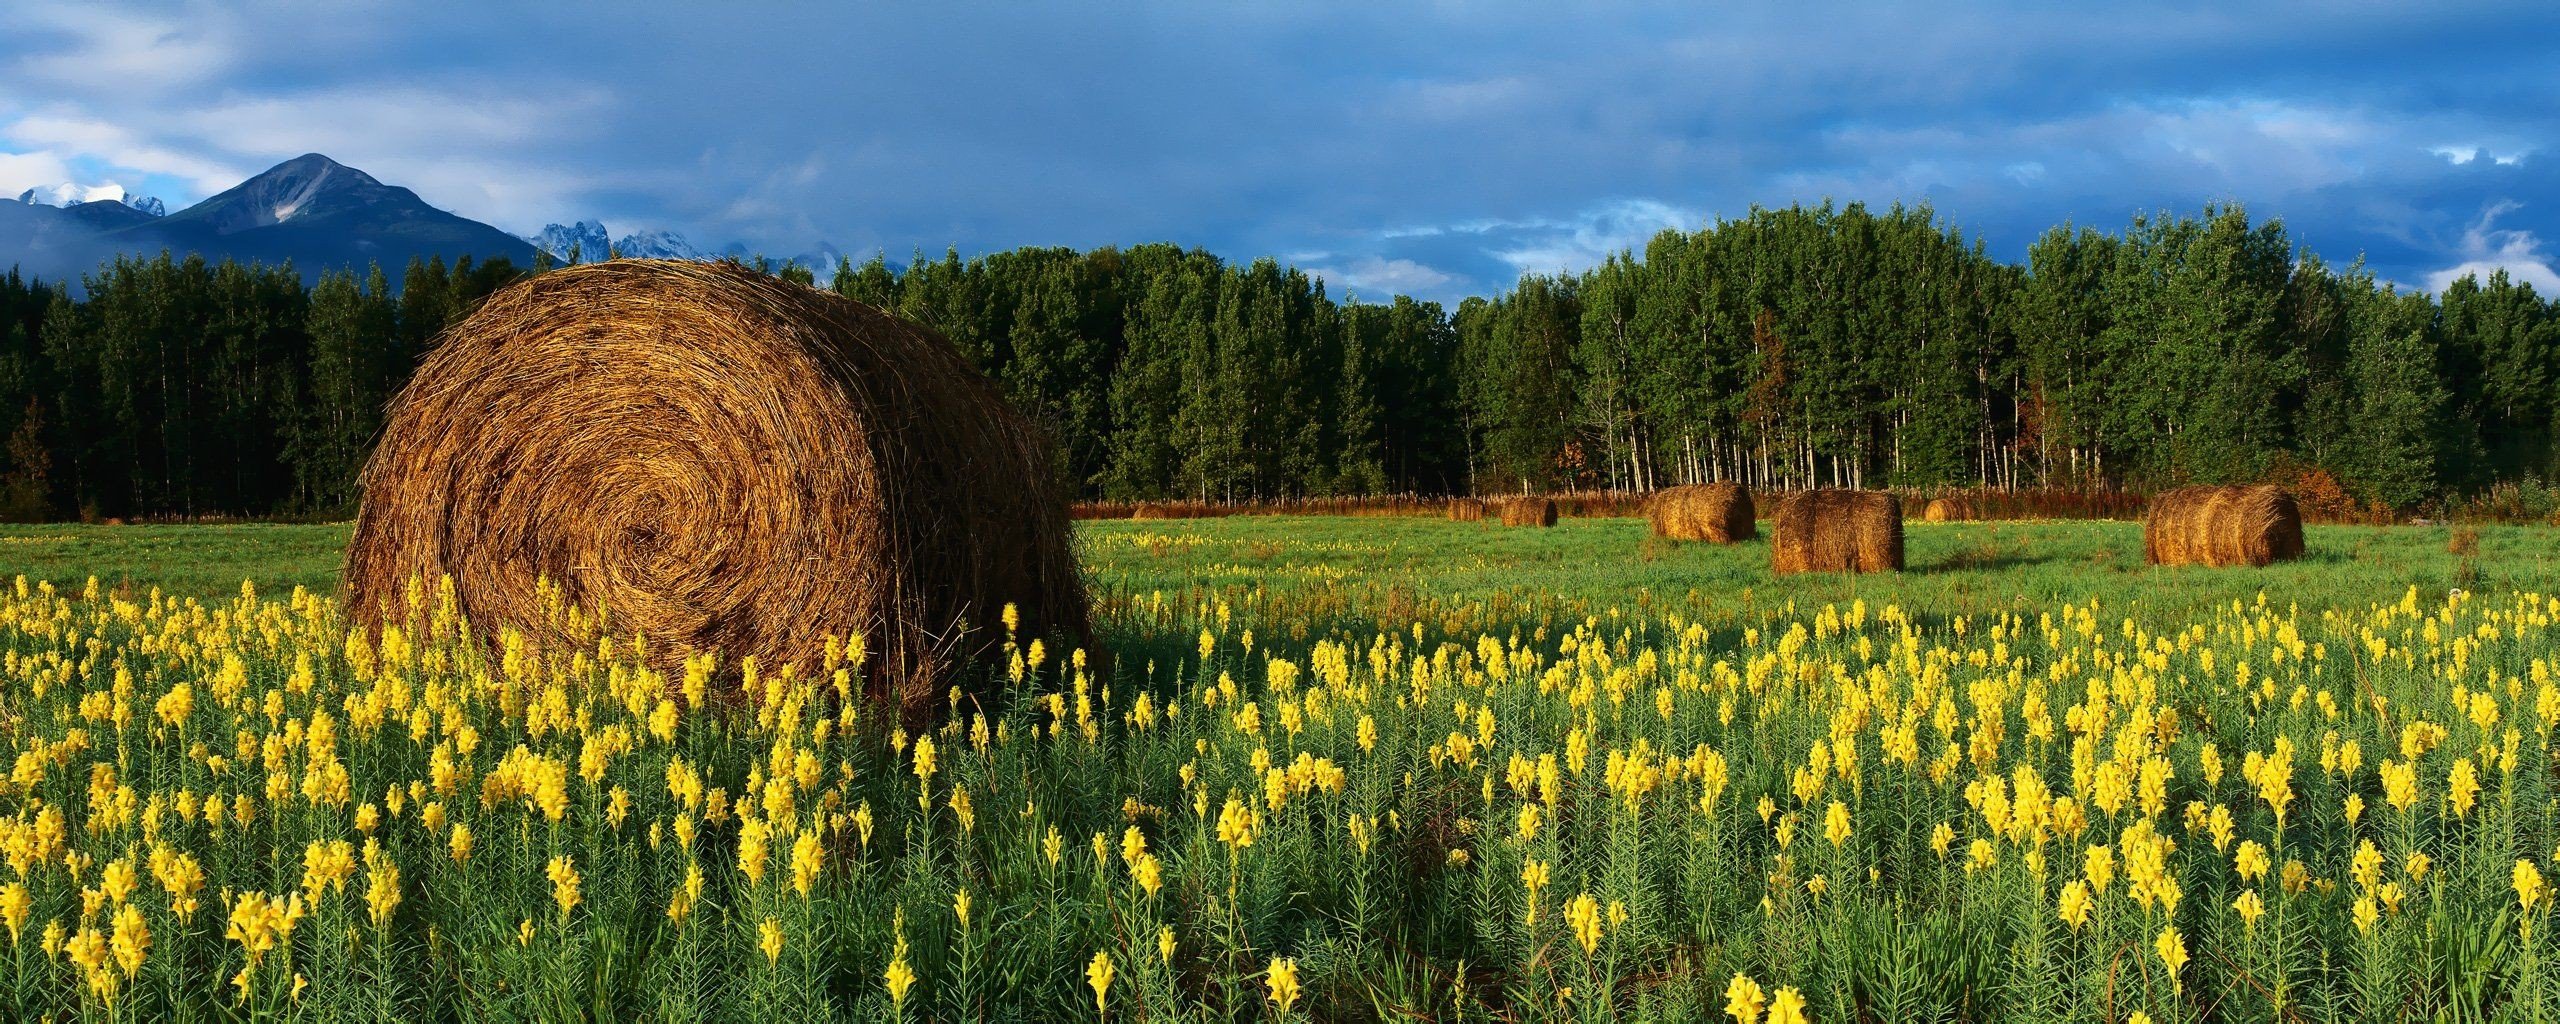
[{"x": 1788, "y": 347}]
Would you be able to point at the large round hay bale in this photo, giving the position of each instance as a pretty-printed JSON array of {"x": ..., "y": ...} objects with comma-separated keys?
[
  {"x": 1718, "y": 513},
  {"x": 1466, "y": 510},
  {"x": 1835, "y": 530},
  {"x": 2222, "y": 526},
  {"x": 725, "y": 462},
  {"x": 1947, "y": 510},
  {"x": 1150, "y": 510},
  {"x": 1529, "y": 511}
]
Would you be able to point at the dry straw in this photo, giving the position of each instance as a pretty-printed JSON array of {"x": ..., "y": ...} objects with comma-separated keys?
[
  {"x": 726, "y": 463},
  {"x": 1719, "y": 513},
  {"x": 1835, "y": 530},
  {"x": 2222, "y": 526},
  {"x": 1947, "y": 510},
  {"x": 1529, "y": 511},
  {"x": 1466, "y": 510}
]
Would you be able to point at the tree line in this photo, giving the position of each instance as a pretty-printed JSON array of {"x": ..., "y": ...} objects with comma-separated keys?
[{"x": 1802, "y": 346}]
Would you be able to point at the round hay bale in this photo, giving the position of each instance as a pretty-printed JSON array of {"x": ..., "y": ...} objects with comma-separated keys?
[
  {"x": 1837, "y": 530},
  {"x": 1150, "y": 510},
  {"x": 2222, "y": 526},
  {"x": 1718, "y": 513},
  {"x": 1529, "y": 511},
  {"x": 725, "y": 462},
  {"x": 1947, "y": 510},
  {"x": 1466, "y": 510}
]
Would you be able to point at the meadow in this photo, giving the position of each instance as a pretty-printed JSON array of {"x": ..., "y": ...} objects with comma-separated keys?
[{"x": 1336, "y": 769}]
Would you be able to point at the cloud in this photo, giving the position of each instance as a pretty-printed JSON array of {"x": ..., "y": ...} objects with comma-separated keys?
[
  {"x": 1378, "y": 275},
  {"x": 1589, "y": 237},
  {"x": 22, "y": 171},
  {"x": 135, "y": 52},
  {"x": 119, "y": 147},
  {"x": 1446, "y": 148},
  {"x": 2487, "y": 249}
]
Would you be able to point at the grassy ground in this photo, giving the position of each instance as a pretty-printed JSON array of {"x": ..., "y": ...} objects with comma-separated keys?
[{"x": 1585, "y": 565}]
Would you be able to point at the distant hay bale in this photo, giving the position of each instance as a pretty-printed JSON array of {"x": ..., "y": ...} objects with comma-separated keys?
[
  {"x": 1529, "y": 511},
  {"x": 1718, "y": 513},
  {"x": 1835, "y": 530},
  {"x": 1947, "y": 510},
  {"x": 1466, "y": 510},
  {"x": 2222, "y": 526},
  {"x": 1150, "y": 510},
  {"x": 725, "y": 462}
]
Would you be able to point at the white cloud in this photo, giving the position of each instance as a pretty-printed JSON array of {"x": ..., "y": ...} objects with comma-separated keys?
[
  {"x": 22, "y": 171},
  {"x": 135, "y": 52},
  {"x": 121, "y": 148},
  {"x": 2487, "y": 248},
  {"x": 1589, "y": 237},
  {"x": 1377, "y": 274}
]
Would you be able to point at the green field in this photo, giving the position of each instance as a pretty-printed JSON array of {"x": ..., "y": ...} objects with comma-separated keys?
[{"x": 1581, "y": 565}]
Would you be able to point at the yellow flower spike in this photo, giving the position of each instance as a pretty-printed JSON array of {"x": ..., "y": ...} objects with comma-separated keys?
[
  {"x": 1788, "y": 1007},
  {"x": 563, "y": 873},
  {"x": 960, "y": 908},
  {"x": 1743, "y": 999},
  {"x": 769, "y": 939},
  {"x": 2530, "y": 888},
  {"x": 2074, "y": 905},
  {"x": 808, "y": 860},
  {"x": 1582, "y": 913},
  {"x": 2250, "y": 907},
  {"x": 898, "y": 979},
  {"x": 1282, "y": 979},
  {"x": 1098, "y": 974},
  {"x": 15, "y": 904},
  {"x": 2173, "y": 953},
  {"x": 1165, "y": 943}
]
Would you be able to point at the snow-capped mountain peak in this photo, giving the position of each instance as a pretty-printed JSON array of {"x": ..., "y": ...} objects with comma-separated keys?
[
  {"x": 586, "y": 239},
  {"x": 657, "y": 245},
  {"x": 593, "y": 244},
  {"x": 70, "y": 194}
]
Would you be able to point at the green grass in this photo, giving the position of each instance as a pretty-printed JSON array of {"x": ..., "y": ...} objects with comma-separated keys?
[
  {"x": 1955, "y": 568},
  {"x": 205, "y": 562}
]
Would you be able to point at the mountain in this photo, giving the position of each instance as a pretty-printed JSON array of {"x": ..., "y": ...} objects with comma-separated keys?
[
  {"x": 586, "y": 240},
  {"x": 51, "y": 244},
  {"x": 591, "y": 240},
  {"x": 68, "y": 194},
  {"x": 110, "y": 214},
  {"x": 659, "y": 245},
  {"x": 310, "y": 210},
  {"x": 320, "y": 213}
]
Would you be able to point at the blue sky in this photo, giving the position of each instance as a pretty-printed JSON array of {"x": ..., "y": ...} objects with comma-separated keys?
[{"x": 1435, "y": 149}]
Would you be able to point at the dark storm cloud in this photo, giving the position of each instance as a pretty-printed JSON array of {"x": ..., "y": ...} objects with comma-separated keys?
[{"x": 1437, "y": 149}]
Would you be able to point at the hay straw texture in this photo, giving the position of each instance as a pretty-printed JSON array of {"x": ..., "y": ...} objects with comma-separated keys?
[
  {"x": 2222, "y": 526},
  {"x": 1835, "y": 530},
  {"x": 1719, "y": 513},
  {"x": 1947, "y": 510},
  {"x": 1531, "y": 511},
  {"x": 1466, "y": 510},
  {"x": 725, "y": 462},
  {"x": 1150, "y": 510}
]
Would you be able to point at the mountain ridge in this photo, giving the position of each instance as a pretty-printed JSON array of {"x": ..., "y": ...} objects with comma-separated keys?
[{"x": 310, "y": 211}]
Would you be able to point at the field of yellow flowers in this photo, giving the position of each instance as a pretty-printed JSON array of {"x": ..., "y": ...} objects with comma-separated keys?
[{"x": 1316, "y": 806}]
